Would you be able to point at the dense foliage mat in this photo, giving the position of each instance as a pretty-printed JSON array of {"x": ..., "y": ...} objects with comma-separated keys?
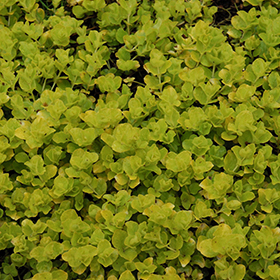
[{"x": 139, "y": 139}]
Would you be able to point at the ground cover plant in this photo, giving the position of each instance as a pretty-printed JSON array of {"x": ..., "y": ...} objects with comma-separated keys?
[{"x": 139, "y": 139}]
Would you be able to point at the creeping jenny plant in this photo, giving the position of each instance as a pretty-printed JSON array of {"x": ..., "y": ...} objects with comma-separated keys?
[{"x": 139, "y": 140}]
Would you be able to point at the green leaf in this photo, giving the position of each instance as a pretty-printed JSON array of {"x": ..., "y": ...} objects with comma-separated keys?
[
  {"x": 59, "y": 274},
  {"x": 180, "y": 221},
  {"x": 81, "y": 159},
  {"x": 229, "y": 270},
  {"x": 233, "y": 204},
  {"x": 267, "y": 197},
  {"x": 153, "y": 154},
  {"x": 170, "y": 96},
  {"x": 27, "y": 5},
  {"x": 178, "y": 162},
  {"x": 81, "y": 255},
  {"x": 104, "y": 118},
  {"x": 126, "y": 275},
  {"x": 204, "y": 246},
  {"x": 48, "y": 250},
  {"x": 60, "y": 35},
  {"x": 72, "y": 114},
  {"x": 127, "y": 65},
  {"x": 36, "y": 133},
  {"x": 124, "y": 62},
  {"x": 94, "y": 5},
  {"x": 4, "y": 144},
  {"x": 162, "y": 183},
  {"x": 197, "y": 145},
  {"x": 119, "y": 36},
  {"x": 275, "y": 166},
  {"x": 44, "y": 266},
  {"x": 201, "y": 210},
  {"x": 94, "y": 42},
  {"x": 146, "y": 267},
  {"x": 195, "y": 118},
  {"x": 97, "y": 187},
  {"x": 141, "y": 202},
  {"x": 255, "y": 2},
  {"x": 62, "y": 186},
  {"x": 106, "y": 254},
  {"x": 239, "y": 121},
  {"x": 30, "y": 229},
  {"x": 245, "y": 156},
  {"x": 4, "y": 98},
  {"x": 53, "y": 154},
  {"x": 36, "y": 165},
  {"x": 63, "y": 58},
  {"x": 109, "y": 83},
  {"x": 243, "y": 93},
  {"x": 274, "y": 271},
  {"x": 171, "y": 115},
  {"x": 131, "y": 165},
  {"x": 21, "y": 108},
  {"x": 158, "y": 64},
  {"x": 42, "y": 276},
  {"x": 231, "y": 163},
  {"x": 224, "y": 242},
  {"x": 118, "y": 242},
  {"x": 72, "y": 223},
  {"x": 57, "y": 109},
  {"x": 159, "y": 213},
  {"x": 218, "y": 186},
  {"x": 244, "y": 20},
  {"x": 200, "y": 166},
  {"x": 84, "y": 137},
  {"x": 259, "y": 67},
  {"x": 205, "y": 92},
  {"x": 247, "y": 196},
  {"x": 61, "y": 137},
  {"x": 126, "y": 137},
  {"x": 18, "y": 259},
  {"x": 194, "y": 76}
]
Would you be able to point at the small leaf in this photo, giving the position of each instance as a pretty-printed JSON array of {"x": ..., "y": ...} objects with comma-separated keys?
[
  {"x": 127, "y": 275},
  {"x": 81, "y": 159},
  {"x": 178, "y": 162},
  {"x": 36, "y": 165},
  {"x": 204, "y": 245}
]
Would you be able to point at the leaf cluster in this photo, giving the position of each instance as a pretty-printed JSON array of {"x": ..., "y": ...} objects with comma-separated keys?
[{"x": 138, "y": 140}]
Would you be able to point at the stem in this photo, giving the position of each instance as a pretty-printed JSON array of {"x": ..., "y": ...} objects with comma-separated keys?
[
  {"x": 54, "y": 83},
  {"x": 73, "y": 83},
  {"x": 9, "y": 19},
  {"x": 197, "y": 63},
  {"x": 222, "y": 8},
  {"x": 128, "y": 24},
  {"x": 265, "y": 265},
  {"x": 139, "y": 83},
  {"x": 44, "y": 84},
  {"x": 159, "y": 79},
  {"x": 177, "y": 135},
  {"x": 33, "y": 96},
  {"x": 236, "y": 7},
  {"x": 171, "y": 249},
  {"x": 45, "y": 5},
  {"x": 213, "y": 71}
]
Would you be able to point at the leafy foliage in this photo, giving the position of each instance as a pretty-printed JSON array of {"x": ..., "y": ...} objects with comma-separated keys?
[{"x": 138, "y": 140}]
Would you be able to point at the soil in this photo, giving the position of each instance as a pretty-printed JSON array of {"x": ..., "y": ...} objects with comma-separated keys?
[{"x": 227, "y": 9}]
